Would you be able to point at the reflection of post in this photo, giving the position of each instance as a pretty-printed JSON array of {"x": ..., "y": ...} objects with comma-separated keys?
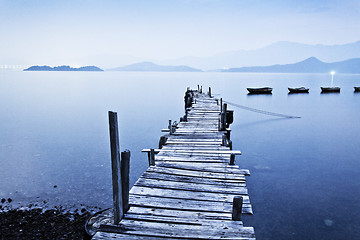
[{"x": 115, "y": 166}]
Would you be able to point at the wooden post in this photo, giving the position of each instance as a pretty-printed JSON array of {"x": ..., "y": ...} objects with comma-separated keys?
[
  {"x": 170, "y": 127},
  {"x": 225, "y": 108},
  {"x": 217, "y": 101},
  {"x": 209, "y": 91},
  {"x": 232, "y": 159},
  {"x": 237, "y": 208},
  {"x": 228, "y": 134},
  {"x": 115, "y": 166},
  {"x": 125, "y": 171},
  {"x": 198, "y": 88},
  {"x": 221, "y": 105},
  {"x": 162, "y": 141},
  {"x": 229, "y": 144},
  {"x": 223, "y": 140},
  {"x": 224, "y": 116},
  {"x": 152, "y": 157}
]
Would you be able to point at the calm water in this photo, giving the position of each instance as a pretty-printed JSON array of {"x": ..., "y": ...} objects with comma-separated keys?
[{"x": 305, "y": 173}]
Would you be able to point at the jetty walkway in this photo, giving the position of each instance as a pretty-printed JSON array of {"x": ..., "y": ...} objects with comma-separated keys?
[{"x": 192, "y": 188}]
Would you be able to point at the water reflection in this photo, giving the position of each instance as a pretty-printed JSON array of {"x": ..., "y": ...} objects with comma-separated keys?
[
  {"x": 54, "y": 131},
  {"x": 264, "y": 121}
]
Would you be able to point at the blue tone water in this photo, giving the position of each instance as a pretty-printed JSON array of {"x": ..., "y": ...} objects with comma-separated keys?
[{"x": 305, "y": 173}]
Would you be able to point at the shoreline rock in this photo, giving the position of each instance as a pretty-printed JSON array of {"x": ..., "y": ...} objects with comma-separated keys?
[{"x": 37, "y": 223}]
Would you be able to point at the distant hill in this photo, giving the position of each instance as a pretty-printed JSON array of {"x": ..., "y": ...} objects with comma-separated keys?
[
  {"x": 277, "y": 53},
  {"x": 310, "y": 65},
  {"x": 63, "y": 68},
  {"x": 152, "y": 67}
]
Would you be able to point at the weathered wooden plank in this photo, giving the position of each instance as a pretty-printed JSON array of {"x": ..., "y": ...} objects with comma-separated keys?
[
  {"x": 111, "y": 235},
  {"x": 195, "y": 156},
  {"x": 184, "y": 221},
  {"x": 193, "y": 143},
  {"x": 189, "y": 157},
  {"x": 201, "y": 164},
  {"x": 212, "y": 136},
  {"x": 185, "y": 204},
  {"x": 202, "y": 196},
  {"x": 191, "y": 173},
  {"x": 179, "y": 213},
  {"x": 186, "y": 166},
  {"x": 185, "y": 179},
  {"x": 241, "y": 190},
  {"x": 196, "y": 151},
  {"x": 198, "y": 160},
  {"x": 195, "y": 147},
  {"x": 232, "y": 227},
  {"x": 153, "y": 229}
]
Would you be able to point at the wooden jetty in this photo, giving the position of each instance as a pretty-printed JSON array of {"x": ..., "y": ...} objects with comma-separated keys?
[{"x": 192, "y": 188}]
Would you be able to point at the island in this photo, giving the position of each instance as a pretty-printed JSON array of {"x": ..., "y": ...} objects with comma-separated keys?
[
  {"x": 310, "y": 65},
  {"x": 63, "y": 68}
]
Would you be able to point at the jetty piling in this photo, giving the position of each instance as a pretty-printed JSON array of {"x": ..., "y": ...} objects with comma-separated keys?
[
  {"x": 125, "y": 174},
  {"x": 192, "y": 188},
  {"x": 120, "y": 167},
  {"x": 237, "y": 208},
  {"x": 115, "y": 166}
]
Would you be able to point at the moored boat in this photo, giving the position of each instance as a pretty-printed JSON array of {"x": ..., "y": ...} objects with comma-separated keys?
[
  {"x": 330, "y": 89},
  {"x": 262, "y": 90},
  {"x": 356, "y": 89},
  {"x": 298, "y": 90}
]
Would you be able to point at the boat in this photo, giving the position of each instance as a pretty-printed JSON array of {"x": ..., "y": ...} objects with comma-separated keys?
[
  {"x": 330, "y": 89},
  {"x": 263, "y": 90},
  {"x": 298, "y": 90},
  {"x": 357, "y": 89}
]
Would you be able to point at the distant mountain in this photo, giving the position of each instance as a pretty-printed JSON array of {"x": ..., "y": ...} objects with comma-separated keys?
[
  {"x": 63, "y": 68},
  {"x": 152, "y": 67},
  {"x": 277, "y": 53},
  {"x": 310, "y": 65}
]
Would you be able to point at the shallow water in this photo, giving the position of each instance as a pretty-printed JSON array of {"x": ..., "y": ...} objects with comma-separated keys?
[{"x": 305, "y": 173}]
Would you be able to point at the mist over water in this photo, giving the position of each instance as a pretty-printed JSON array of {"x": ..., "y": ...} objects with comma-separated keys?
[{"x": 305, "y": 173}]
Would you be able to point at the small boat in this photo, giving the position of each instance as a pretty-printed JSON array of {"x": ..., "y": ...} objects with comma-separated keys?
[
  {"x": 330, "y": 89},
  {"x": 298, "y": 90},
  {"x": 356, "y": 89},
  {"x": 263, "y": 90}
]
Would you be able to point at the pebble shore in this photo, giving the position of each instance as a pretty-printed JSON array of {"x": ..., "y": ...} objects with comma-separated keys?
[{"x": 37, "y": 223}]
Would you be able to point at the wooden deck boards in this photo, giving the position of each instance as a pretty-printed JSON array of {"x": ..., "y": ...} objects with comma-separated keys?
[{"x": 188, "y": 194}]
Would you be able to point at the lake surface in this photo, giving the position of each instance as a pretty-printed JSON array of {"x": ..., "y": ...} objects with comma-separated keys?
[{"x": 305, "y": 173}]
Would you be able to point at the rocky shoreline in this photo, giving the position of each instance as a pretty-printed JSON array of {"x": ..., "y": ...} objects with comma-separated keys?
[{"x": 37, "y": 223}]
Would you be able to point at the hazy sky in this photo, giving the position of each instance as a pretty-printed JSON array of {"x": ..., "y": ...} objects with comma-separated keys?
[{"x": 37, "y": 31}]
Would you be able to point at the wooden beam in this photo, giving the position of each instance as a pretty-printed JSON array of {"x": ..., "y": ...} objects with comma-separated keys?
[
  {"x": 115, "y": 166},
  {"x": 237, "y": 208},
  {"x": 125, "y": 171},
  {"x": 195, "y": 151}
]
